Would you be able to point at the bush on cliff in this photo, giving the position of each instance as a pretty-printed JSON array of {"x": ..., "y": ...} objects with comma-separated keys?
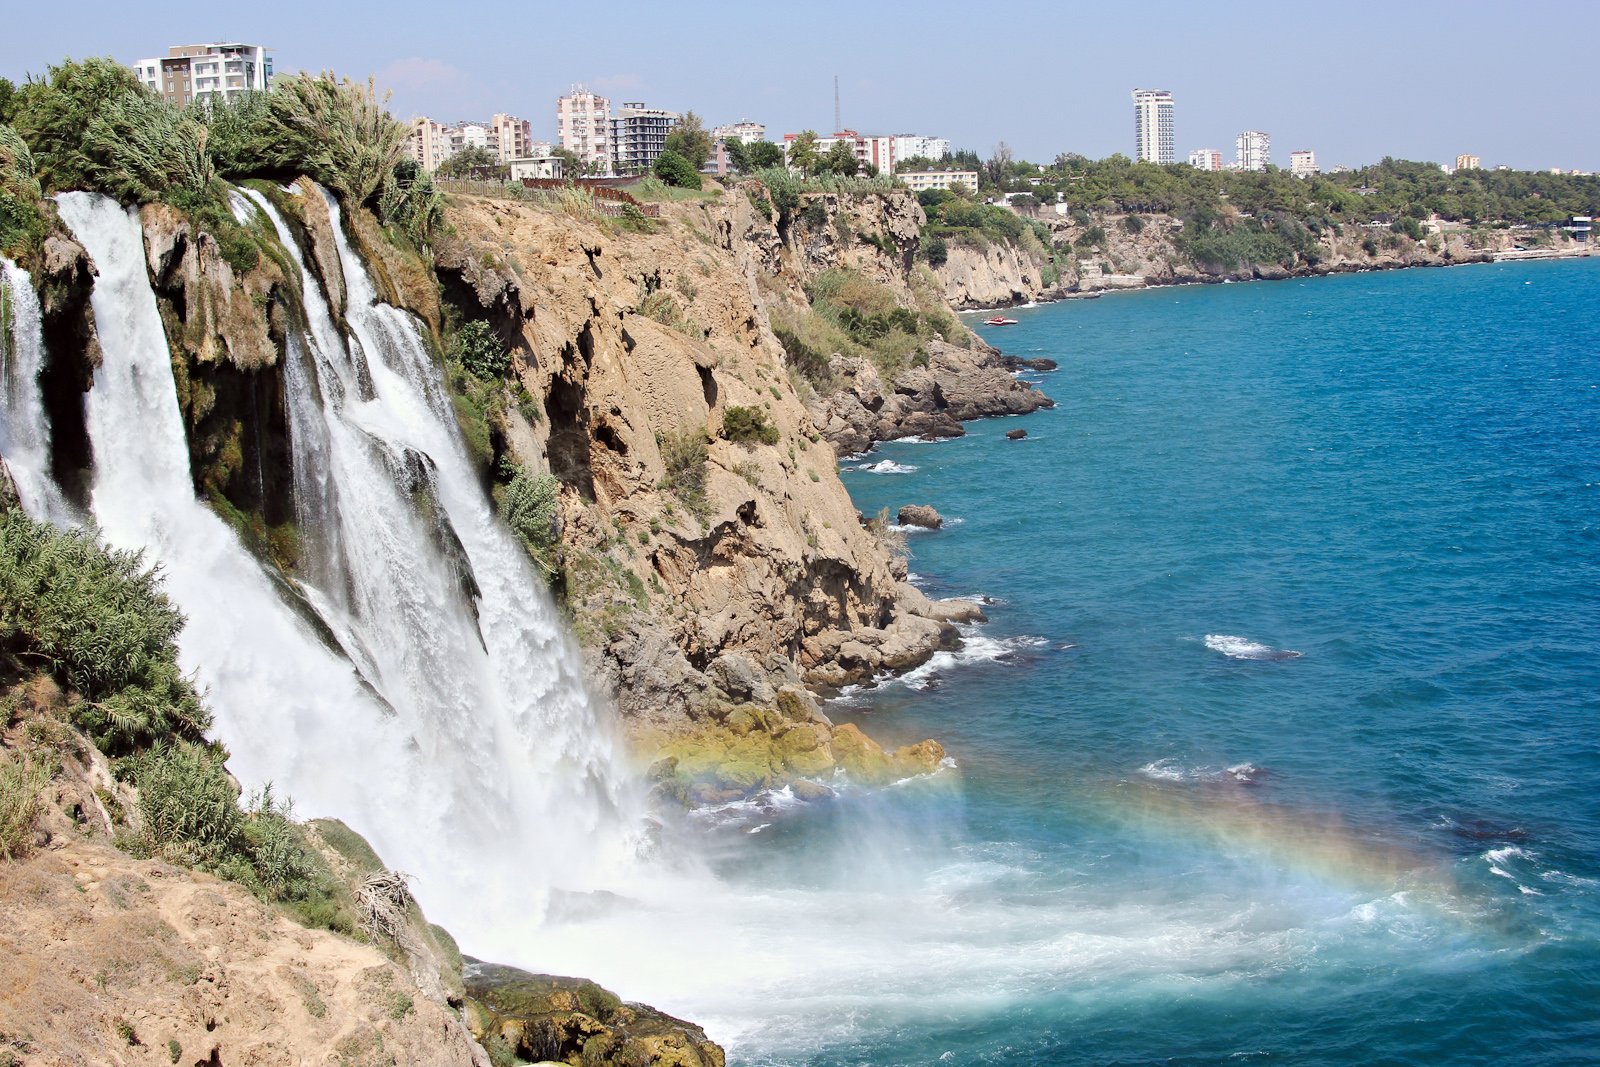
[
  {"x": 748, "y": 426},
  {"x": 684, "y": 455},
  {"x": 22, "y": 225},
  {"x": 676, "y": 171},
  {"x": 528, "y": 505},
  {"x": 98, "y": 621},
  {"x": 480, "y": 352}
]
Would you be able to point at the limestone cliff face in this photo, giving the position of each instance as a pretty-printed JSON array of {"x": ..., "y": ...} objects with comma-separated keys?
[
  {"x": 1000, "y": 274},
  {"x": 996, "y": 276},
  {"x": 633, "y": 344}
]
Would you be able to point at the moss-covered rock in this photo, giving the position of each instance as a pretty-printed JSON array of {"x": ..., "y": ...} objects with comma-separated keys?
[{"x": 548, "y": 1018}]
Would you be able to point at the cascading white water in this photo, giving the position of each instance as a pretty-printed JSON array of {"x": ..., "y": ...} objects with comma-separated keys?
[
  {"x": 24, "y": 435},
  {"x": 482, "y": 762}
]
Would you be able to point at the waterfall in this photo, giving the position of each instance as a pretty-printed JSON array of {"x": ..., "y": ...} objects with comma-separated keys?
[
  {"x": 24, "y": 434},
  {"x": 480, "y": 767}
]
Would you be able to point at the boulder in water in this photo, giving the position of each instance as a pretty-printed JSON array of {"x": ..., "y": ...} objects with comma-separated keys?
[
  {"x": 1016, "y": 435},
  {"x": 920, "y": 515}
]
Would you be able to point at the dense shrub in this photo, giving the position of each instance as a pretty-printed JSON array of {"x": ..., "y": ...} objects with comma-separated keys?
[
  {"x": 97, "y": 620},
  {"x": 676, "y": 171},
  {"x": 480, "y": 352},
  {"x": 748, "y": 426},
  {"x": 684, "y": 455},
  {"x": 528, "y": 505}
]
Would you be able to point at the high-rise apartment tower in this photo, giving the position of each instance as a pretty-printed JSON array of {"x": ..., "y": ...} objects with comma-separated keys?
[{"x": 1152, "y": 126}]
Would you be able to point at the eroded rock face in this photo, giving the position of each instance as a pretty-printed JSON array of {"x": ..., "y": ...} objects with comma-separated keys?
[
  {"x": 928, "y": 402},
  {"x": 920, "y": 515},
  {"x": 634, "y": 347},
  {"x": 543, "y": 1018}
]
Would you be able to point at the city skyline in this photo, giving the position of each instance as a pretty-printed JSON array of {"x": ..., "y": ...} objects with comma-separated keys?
[{"x": 1389, "y": 94}]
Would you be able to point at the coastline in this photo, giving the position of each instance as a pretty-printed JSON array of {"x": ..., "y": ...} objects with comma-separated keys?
[{"x": 1486, "y": 258}]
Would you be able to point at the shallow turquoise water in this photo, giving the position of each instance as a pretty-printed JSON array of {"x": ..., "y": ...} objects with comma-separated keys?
[{"x": 1384, "y": 849}]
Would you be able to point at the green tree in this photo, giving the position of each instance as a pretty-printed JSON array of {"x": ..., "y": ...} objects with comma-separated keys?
[
  {"x": 841, "y": 159},
  {"x": 690, "y": 140},
  {"x": 676, "y": 171},
  {"x": 469, "y": 160},
  {"x": 763, "y": 154},
  {"x": 571, "y": 165},
  {"x": 803, "y": 154}
]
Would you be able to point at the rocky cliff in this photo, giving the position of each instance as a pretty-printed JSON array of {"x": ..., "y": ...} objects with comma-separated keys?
[
  {"x": 1105, "y": 252},
  {"x": 715, "y": 600}
]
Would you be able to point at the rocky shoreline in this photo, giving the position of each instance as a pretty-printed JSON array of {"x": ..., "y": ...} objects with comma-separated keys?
[{"x": 1002, "y": 277}]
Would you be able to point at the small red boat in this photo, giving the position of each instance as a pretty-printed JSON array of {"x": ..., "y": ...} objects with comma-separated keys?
[{"x": 998, "y": 321}]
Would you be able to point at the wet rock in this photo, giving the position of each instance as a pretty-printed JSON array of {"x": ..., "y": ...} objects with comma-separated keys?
[
  {"x": 810, "y": 791},
  {"x": 1016, "y": 435},
  {"x": 920, "y": 515},
  {"x": 550, "y": 1018}
]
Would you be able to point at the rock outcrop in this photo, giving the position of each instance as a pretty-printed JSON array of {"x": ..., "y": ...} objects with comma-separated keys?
[
  {"x": 929, "y": 402},
  {"x": 543, "y": 1018},
  {"x": 920, "y": 515}
]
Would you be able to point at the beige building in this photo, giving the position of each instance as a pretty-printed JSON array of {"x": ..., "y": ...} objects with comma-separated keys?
[
  {"x": 1302, "y": 163},
  {"x": 583, "y": 127},
  {"x": 743, "y": 131},
  {"x": 918, "y": 180},
  {"x": 1469, "y": 162},
  {"x": 190, "y": 72},
  {"x": 543, "y": 165}
]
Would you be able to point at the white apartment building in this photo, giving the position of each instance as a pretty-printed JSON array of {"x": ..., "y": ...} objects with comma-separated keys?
[
  {"x": 1253, "y": 150},
  {"x": 744, "y": 131},
  {"x": 1152, "y": 127},
  {"x": 1302, "y": 163},
  {"x": 1205, "y": 159},
  {"x": 1469, "y": 162},
  {"x": 638, "y": 137},
  {"x": 190, "y": 72},
  {"x": 918, "y": 180},
  {"x": 915, "y": 146},
  {"x": 583, "y": 127}
]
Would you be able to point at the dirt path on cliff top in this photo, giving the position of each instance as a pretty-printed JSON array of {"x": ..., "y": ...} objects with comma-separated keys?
[{"x": 106, "y": 959}]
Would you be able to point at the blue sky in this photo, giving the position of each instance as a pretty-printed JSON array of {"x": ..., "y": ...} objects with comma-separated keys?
[{"x": 1354, "y": 80}]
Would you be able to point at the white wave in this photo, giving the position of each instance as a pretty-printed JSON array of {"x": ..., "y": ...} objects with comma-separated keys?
[
  {"x": 976, "y": 647},
  {"x": 1164, "y": 770},
  {"x": 887, "y": 466},
  {"x": 1244, "y": 648},
  {"x": 1169, "y": 769}
]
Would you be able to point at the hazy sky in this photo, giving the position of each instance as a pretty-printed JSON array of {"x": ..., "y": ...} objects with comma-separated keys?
[{"x": 1354, "y": 80}]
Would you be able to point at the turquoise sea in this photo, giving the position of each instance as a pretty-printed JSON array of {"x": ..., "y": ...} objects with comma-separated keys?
[{"x": 1168, "y": 839}]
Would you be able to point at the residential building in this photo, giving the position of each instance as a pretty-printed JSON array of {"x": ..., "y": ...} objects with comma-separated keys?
[
  {"x": 1302, "y": 163},
  {"x": 1469, "y": 162},
  {"x": 511, "y": 138},
  {"x": 583, "y": 127},
  {"x": 914, "y": 146},
  {"x": 1205, "y": 159},
  {"x": 190, "y": 72},
  {"x": 744, "y": 130},
  {"x": 428, "y": 143},
  {"x": 1152, "y": 127},
  {"x": 638, "y": 136},
  {"x": 918, "y": 180},
  {"x": 1254, "y": 150}
]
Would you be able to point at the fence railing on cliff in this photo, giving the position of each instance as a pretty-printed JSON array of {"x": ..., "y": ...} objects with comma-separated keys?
[{"x": 607, "y": 198}]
